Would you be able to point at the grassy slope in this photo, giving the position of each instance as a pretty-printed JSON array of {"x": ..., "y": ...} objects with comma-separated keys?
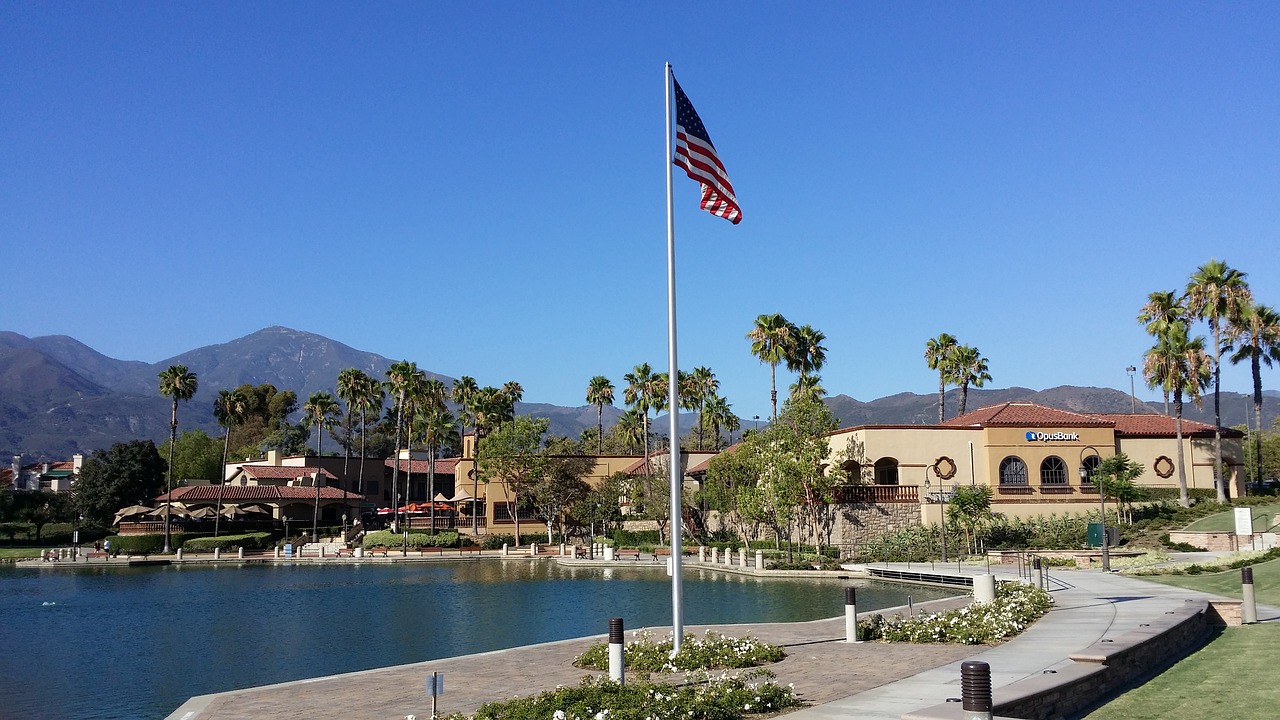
[
  {"x": 1266, "y": 582},
  {"x": 1263, "y": 520},
  {"x": 1222, "y": 680}
]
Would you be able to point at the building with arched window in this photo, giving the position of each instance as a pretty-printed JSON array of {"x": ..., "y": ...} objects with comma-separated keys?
[{"x": 1030, "y": 455}]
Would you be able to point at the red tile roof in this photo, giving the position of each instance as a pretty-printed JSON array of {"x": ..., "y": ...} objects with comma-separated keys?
[
  {"x": 277, "y": 472},
  {"x": 1163, "y": 426},
  {"x": 443, "y": 465},
  {"x": 238, "y": 493},
  {"x": 1023, "y": 413}
]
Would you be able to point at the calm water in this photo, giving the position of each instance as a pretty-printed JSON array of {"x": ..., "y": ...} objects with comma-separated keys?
[{"x": 137, "y": 643}]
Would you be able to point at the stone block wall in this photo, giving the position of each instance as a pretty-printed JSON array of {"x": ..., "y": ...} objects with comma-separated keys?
[{"x": 856, "y": 523}]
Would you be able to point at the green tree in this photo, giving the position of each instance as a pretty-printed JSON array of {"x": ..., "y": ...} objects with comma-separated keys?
[
  {"x": 512, "y": 453},
  {"x": 43, "y": 507},
  {"x": 703, "y": 387},
  {"x": 368, "y": 397},
  {"x": 1179, "y": 365},
  {"x": 402, "y": 378},
  {"x": 321, "y": 410},
  {"x": 937, "y": 354},
  {"x": 435, "y": 426},
  {"x": 807, "y": 355},
  {"x": 970, "y": 508},
  {"x": 809, "y": 387},
  {"x": 176, "y": 383},
  {"x": 803, "y": 428},
  {"x": 601, "y": 506},
  {"x": 196, "y": 456},
  {"x": 600, "y": 393},
  {"x": 772, "y": 342},
  {"x": 561, "y": 485},
  {"x": 643, "y": 393},
  {"x": 1255, "y": 335},
  {"x": 1114, "y": 477},
  {"x": 968, "y": 367},
  {"x": 719, "y": 415},
  {"x": 131, "y": 473},
  {"x": 349, "y": 386},
  {"x": 463, "y": 394},
  {"x": 1218, "y": 294}
]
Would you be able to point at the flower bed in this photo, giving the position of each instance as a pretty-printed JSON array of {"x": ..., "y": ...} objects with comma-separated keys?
[
  {"x": 712, "y": 651},
  {"x": 1016, "y": 606}
]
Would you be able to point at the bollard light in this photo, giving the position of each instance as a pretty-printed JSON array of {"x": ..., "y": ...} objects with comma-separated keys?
[
  {"x": 616, "y": 667},
  {"x": 975, "y": 689},
  {"x": 1249, "y": 608},
  {"x": 851, "y": 615}
]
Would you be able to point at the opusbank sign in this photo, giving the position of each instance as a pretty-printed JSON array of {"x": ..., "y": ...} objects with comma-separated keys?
[{"x": 1033, "y": 436}]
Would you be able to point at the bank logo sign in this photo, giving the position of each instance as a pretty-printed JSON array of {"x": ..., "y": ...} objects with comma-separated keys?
[{"x": 1033, "y": 436}]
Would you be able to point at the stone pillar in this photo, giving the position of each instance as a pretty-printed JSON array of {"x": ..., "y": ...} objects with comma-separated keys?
[
  {"x": 217, "y": 553},
  {"x": 504, "y": 549},
  {"x": 702, "y": 553},
  {"x": 608, "y": 552},
  {"x": 759, "y": 560},
  {"x": 240, "y": 553},
  {"x": 742, "y": 557},
  {"x": 984, "y": 588},
  {"x": 179, "y": 553},
  {"x": 715, "y": 556}
]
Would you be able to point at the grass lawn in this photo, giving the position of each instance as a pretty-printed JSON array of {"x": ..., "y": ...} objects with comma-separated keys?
[
  {"x": 1266, "y": 582},
  {"x": 1264, "y": 517},
  {"x": 19, "y": 553},
  {"x": 1228, "y": 678}
]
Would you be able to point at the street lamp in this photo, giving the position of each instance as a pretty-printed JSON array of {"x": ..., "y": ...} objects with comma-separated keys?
[
  {"x": 1133, "y": 399},
  {"x": 1102, "y": 503},
  {"x": 756, "y": 419},
  {"x": 942, "y": 512}
]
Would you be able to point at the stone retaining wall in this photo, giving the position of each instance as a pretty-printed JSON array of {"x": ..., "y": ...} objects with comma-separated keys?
[
  {"x": 857, "y": 523},
  {"x": 1099, "y": 672}
]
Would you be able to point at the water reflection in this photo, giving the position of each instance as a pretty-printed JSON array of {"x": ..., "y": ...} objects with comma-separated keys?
[{"x": 168, "y": 633}]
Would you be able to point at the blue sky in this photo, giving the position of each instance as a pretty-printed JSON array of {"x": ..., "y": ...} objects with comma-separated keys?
[{"x": 480, "y": 187}]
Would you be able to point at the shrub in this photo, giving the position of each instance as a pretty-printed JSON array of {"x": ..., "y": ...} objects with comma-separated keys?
[
  {"x": 386, "y": 538},
  {"x": 720, "y": 698},
  {"x": 495, "y": 542},
  {"x": 250, "y": 541},
  {"x": 1016, "y": 606},
  {"x": 712, "y": 652},
  {"x": 149, "y": 544},
  {"x": 633, "y": 538}
]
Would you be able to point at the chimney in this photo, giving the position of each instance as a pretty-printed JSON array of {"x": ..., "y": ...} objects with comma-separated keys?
[{"x": 273, "y": 458}]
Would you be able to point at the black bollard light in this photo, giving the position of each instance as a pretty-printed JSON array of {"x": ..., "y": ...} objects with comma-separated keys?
[
  {"x": 616, "y": 673},
  {"x": 851, "y": 615},
  {"x": 1249, "y": 608},
  {"x": 975, "y": 690}
]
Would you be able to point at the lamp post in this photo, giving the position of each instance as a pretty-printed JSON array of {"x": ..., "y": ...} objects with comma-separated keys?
[
  {"x": 756, "y": 419},
  {"x": 1102, "y": 504},
  {"x": 942, "y": 502},
  {"x": 1133, "y": 399}
]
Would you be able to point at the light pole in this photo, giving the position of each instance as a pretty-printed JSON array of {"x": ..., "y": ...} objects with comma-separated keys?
[
  {"x": 1133, "y": 399},
  {"x": 756, "y": 419},
  {"x": 942, "y": 503},
  {"x": 1102, "y": 503}
]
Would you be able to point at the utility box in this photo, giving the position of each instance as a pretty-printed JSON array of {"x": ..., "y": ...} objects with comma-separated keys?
[{"x": 1095, "y": 535}]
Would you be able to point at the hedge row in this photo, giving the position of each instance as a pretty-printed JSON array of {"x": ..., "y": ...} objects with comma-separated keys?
[
  {"x": 386, "y": 538},
  {"x": 249, "y": 541}
]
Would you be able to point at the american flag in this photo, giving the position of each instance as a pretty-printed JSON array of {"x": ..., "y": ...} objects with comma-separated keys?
[{"x": 696, "y": 154}]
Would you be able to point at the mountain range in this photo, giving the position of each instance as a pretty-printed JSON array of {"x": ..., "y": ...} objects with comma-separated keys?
[{"x": 59, "y": 396}]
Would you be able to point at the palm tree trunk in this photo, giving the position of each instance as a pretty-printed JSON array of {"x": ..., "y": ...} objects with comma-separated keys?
[
  {"x": 599, "y": 428},
  {"x": 315, "y": 514},
  {"x": 1220, "y": 482},
  {"x": 964, "y": 396},
  {"x": 773, "y": 391},
  {"x": 1257, "y": 417},
  {"x": 173, "y": 441},
  {"x": 1183, "y": 499},
  {"x": 431, "y": 485},
  {"x": 222, "y": 481},
  {"x": 395, "y": 466},
  {"x": 942, "y": 395}
]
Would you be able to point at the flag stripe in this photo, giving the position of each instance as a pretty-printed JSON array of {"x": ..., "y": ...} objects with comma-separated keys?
[{"x": 697, "y": 155}]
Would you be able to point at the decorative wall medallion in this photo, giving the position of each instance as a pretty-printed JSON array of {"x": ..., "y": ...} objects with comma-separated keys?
[
  {"x": 1163, "y": 466},
  {"x": 945, "y": 467}
]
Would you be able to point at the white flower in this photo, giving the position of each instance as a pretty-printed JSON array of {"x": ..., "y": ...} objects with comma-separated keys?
[{"x": 559, "y": 715}]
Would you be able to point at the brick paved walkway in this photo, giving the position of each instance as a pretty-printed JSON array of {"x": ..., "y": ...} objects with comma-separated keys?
[{"x": 818, "y": 662}]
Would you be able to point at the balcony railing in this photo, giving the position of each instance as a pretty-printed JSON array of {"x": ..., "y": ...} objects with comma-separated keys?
[{"x": 878, "y": 494}]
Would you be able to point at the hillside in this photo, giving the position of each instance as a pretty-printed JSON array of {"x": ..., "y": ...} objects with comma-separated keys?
[{"x": 58, "y": 396}]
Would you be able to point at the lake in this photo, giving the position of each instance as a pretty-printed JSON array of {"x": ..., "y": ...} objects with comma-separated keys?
[{"x": 125, "y": 643}]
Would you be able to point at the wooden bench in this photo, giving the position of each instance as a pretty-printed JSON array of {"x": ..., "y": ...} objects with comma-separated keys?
[
  {"x": 136, "y": 553},
  {"x": 96, "y": 554},
  {"x": 634, "y": 554},
  {"x": 422, "y": 551},
  {"x": 470, "y": 549},
  {"x": 377, "y": 551},
  {"x": 345, "y": 552}
]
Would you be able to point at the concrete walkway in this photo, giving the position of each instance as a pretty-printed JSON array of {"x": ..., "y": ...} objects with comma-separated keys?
[{"x": 837, "y": 679}]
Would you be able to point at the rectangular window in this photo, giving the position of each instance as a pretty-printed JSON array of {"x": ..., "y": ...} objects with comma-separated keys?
[
  {"x": 502, "y": 513},
  {"x": 371, "y": 487}
]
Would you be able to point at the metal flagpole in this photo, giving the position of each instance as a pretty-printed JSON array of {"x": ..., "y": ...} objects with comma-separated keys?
[{"x": 673, "y": 395}]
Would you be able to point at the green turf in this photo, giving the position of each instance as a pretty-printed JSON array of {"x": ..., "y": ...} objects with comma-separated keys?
[
  {"x": 19, "y": 553},
  {"x": 1266, "y": 582},
  {"x": 1264, "y": 518},
  {"x": 1228, "y": 678}
]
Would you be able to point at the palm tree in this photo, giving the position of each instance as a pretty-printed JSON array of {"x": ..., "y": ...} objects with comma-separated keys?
[
  {"x": 1180, "y": 364},
  {"x": 321, "y": 409},
  {"x": 772, "y": 341},
  {"x": 807, "y": 356},
  {"x": 348, "y": 387},
  {"x": 703, "y": 386},
  {"x": 463, "y": 395},
  {"x": 809, "y": 386},
  {"x": 642, "y": 395},
  {"x": 1162, "y": 307},
  {"x": 718, "y": 413},
  {"x": 968, "y": 368},
  {"x": 399, "y": 379},
  {"x": 600, "y": 393},
  {"x": 1256, "y": 335},
  {"x": 368, "y": 400},
  {"x": 513, "y": 392},
  {"x": 630, "y": 428},
  {"x": 435, "y": 426},
  {"x": 176, "y": 383},
  {"x": 230, "y": 408},
  {"x": 937, "y": 353},
  {"x": 1217, "y": 293}
]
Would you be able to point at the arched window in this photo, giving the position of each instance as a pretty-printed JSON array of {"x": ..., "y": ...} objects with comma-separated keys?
[
  {"x": 1053, "y": 471},
  {"x": 886, "y": 471},
  {"x": 1090, "y": 465},
  {"x": 853, "y": 471},
  {"x": 1013, "y": 471}
]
